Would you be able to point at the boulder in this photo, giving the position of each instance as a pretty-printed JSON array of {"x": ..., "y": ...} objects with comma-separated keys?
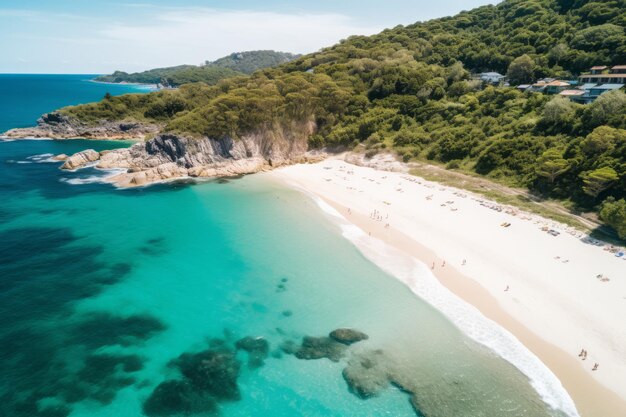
[
  {"x": 60, "y": 157},
  {"x": 257, "y": 347},
  {"x": 213, "y": 372},
  {"x": 320, "y": 347},
  {"x": 173, "y": 397},
  {"x": 80, "y": 159},
  {"x": 348, "y": 336}
]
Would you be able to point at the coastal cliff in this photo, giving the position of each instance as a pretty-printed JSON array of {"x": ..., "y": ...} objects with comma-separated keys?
[
  {"x": 171, "y": 156},
  {"x": 56, "y": 125}
]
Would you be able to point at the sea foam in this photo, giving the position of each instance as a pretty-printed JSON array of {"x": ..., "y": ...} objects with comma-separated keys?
[{"x": 419, "y": 278}]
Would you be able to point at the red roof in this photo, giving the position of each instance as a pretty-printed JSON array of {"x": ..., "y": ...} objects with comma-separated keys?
[
  {"x": 557, "y": 83},
  {"x": 620, "y": 67},
  {"x": 572, "y": 93},
  {"x": 599, "y": 67}
]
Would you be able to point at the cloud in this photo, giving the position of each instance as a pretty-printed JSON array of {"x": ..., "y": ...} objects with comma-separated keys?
[{"x": 197, "y": 34}]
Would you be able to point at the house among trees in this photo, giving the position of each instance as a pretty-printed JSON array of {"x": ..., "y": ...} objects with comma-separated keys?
[
  {"x": 599, "y": 81},
  {"x": 546, "y": 86},
  {"x": 491, "y": 77},
  {"x": 599, "y": 75}
]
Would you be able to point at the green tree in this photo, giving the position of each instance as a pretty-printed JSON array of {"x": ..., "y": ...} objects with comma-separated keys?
[
  {"x": 551, "y": 164},
  {"x": 607, "y": 106},
  {"x": 599, "y": 180},
  {"x": 614, "y": 214},
  {"x": 559, "y": 110},
  {"x": 602, "y": 140},
  {"x": 521, "y": 70}
]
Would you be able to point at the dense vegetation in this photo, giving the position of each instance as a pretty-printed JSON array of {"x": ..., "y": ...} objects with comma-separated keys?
[
  {"x": 238, "y": 63},
  {"x": 248, "y": 62},
  {"x": 409, "y": 89}
]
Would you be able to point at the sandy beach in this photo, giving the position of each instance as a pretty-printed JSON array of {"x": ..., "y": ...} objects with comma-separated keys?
[{"x": 556, "y": 290}]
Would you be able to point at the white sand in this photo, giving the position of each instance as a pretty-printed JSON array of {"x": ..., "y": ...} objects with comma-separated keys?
[{"x": 553, "y": 288}]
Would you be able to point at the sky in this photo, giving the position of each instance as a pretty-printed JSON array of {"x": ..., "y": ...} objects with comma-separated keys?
[{"x": 100, "y": 36}]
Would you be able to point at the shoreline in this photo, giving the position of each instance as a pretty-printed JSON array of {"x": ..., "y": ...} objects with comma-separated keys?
[
  {"x": 592, "y": 396},
  {"x": 152, "y": 87}
]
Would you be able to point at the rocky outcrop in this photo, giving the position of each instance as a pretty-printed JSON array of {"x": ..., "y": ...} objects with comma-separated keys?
[
  {"x": 170, "y": 156},
  {"x": 81, "y": 159},
  {"x": 348, "y": 336},
  {"x": 56, "y": 125},
  {"x": 258, "y": 349},
  {"x": 320, "y": 347}
]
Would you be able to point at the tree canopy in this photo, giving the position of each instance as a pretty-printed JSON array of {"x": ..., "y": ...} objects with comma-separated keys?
[{"x": 409, "y": 89}]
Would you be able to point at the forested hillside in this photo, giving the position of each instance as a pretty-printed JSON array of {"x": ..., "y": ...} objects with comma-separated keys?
[
  {"x": 237, "y": 63},
  {"x": 409, "y": 89},
  {"x": 248, "y": 62}
]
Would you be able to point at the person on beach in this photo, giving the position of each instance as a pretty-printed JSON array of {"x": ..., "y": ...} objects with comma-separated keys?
[
  {"x": 433, "y": 266},
  {"x": 443, "y": 264},
  {"x": 506, "y": 289},
  {"x": 582, "y": 352},
  {"x": 464, "y": 262},
  {"x": 595, "y": 366}
]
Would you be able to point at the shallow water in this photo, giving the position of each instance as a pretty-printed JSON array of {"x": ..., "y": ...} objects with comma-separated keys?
[{"x": 102, "y": 289}]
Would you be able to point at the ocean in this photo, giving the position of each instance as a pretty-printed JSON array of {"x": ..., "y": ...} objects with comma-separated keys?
[{"x": 210, "y": 298}]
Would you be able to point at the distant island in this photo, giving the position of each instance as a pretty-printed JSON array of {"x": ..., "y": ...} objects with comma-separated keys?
[{"x": 235, "y": 64}]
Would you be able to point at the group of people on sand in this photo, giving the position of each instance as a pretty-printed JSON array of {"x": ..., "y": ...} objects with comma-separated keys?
[{"x": 583, "y": 355}]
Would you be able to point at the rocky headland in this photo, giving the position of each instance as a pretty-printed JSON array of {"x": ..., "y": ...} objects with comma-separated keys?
[
  {"x": 56, "y": 125},
  {"x": 169, "y": 156}
]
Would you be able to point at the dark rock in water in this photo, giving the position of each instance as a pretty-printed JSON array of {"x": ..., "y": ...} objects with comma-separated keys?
[
  {"x": 289, "y": 347},
  {"x": 348, "y": 336},
  {"x": 258, "y": 349},
  {"x": 320, "y": 347},
  {"x": 213, "y": 372},
  {"x": 287, "y": 313},
  {"x": 367, "y": 374},
  {"x": 284, "y": 280},
  {"x": 173, "y": 398}
]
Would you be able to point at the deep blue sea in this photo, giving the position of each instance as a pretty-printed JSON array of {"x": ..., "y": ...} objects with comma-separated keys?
[
  {"x": 125, "y": 303},
  {"x": 25, "y": 97}
]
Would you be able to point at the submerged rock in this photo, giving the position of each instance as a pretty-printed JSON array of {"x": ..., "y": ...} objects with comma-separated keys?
[
  {"x": 213, "y": 372},
  {"x": 258, "y": 349},
  {"x": 80, "y": 159},
  {"x": 174, "y": 398},
  {"x": 289, "y": 347},
  {"x": 367, "y": 374},
  {"x": 348, "y": 336},
  {"x": 320, "y": 347}
]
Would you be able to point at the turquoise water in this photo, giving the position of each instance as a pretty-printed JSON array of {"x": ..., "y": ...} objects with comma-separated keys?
[
  {"x": 25, "y": 97},
  {"x": 130, "y": 303}
]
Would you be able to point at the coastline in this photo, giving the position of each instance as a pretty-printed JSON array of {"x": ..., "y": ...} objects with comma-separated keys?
[
  {"x": 355, "y": 191},
  {"x": 151, "y": 87}
]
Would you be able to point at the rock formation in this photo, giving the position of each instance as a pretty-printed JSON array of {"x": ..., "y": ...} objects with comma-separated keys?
[
  {"x": 348, "y": 336},
  {"x": 170, "y": 156},
  {"x": 367, "y": 374},
  {"x": 320, "y": 347},
  {"x": 258, "y": 349},
  {"x": 80, "y": 159},
  {"x": 56, "y": 125}
]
